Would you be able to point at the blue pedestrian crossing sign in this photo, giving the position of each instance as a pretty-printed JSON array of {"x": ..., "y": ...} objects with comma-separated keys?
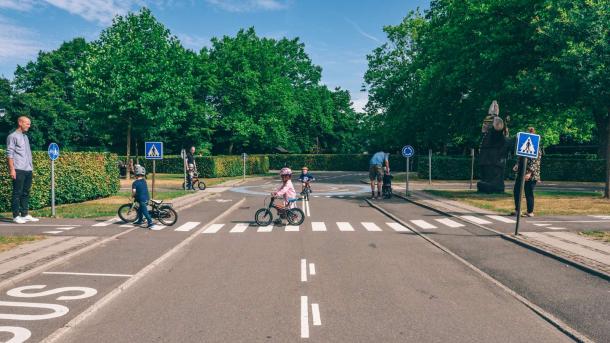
[
  {"x": 408, "y": 151},
  {"x": 528, "y": 145},
  {"x": 53, "y": 151},
  {"x": 153, "y": 150}
]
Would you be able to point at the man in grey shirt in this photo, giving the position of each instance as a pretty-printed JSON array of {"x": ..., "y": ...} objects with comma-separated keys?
[{"x": 20, "y": 167}]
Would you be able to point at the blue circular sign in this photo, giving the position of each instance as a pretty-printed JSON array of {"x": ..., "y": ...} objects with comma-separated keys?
[
  {"x": 408, "y": 151},
  {"x": 53, "y": 151}
]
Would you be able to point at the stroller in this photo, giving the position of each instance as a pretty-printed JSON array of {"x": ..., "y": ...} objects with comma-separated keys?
[{"x": 386, "y": 187}]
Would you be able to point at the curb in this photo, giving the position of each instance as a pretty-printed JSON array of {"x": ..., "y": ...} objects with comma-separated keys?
[
  {"x": 556, "y": 322},
  {"x": 518, "y": 241}
]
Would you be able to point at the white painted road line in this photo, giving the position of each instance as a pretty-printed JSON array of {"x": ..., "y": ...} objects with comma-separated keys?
[
  {"x": 188, "y": 226},
  {"x": 312, "y": 269},
  {"x": 543, "y": 224},
  {"x": 449, "y": 222},
  {"x": 267, "y": 228},
  {"x": 303, "y": 270},
  {"x": 292, "y": 228},
  {"x": 157, "y": 227},
  {"x": 108, "y": 222},
  {"x": 318, "y": 226},
  {"x": 555, "y": 228},
  {"x": 423, "y": 224},
  {"x": 127, "y": 225},
  {"x": 52, "y": 232},
  {"x": 315, "y": 314},
  {"x": 307, "y": 210},
  {"x": 239, "y": 228},
  {"x": 371, "y": 226},
  {"x": 65, "y": 228},
  {"x": 398, "y": 228},
  {"x": 304, "y": 318},
  {"x": 475, "y": 220},
  {"x": 501, "y": 219},
  {"x": 213, "y": 228},
  {"x": 345, "y": 226},
  {"x": 87, "y": 274}
]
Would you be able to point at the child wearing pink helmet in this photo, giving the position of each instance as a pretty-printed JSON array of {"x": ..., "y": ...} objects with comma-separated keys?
[{"x": 286, "y": 189}]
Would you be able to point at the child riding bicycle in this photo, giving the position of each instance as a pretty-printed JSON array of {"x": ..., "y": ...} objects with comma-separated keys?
[
  {"x": 285, "y": 190},
  {"x": 306, "y": 177}
]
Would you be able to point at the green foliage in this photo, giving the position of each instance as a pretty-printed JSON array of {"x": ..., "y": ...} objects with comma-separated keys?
[
  {"x": 211, "y": 166},
  {"x": 337, "y": 162},
  {"x": 78, "y": 177}
]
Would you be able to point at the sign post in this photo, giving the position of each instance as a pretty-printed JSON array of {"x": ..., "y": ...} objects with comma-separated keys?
[
  {"x": 407, "y": 152},
  {"x": 153, "y": 151},
  {"x": 429, "y": 166},
  {"x": 53, "y": 155},
  {"x": 528, "y": 145},
  {"x": 184, "y": 165},
  {"x": 471, "y": 167},
  {"x": 244, "y": 156}
]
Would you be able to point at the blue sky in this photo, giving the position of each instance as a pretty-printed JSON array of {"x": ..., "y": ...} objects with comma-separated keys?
[{"x": 337, "y": 33}]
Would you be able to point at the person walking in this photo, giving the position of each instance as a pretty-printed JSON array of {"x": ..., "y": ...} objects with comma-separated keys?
[
  {"x": 20, "y": 166},
  {"x": 191, "y": 168},
  {"x": 532, "y": 176},
  {"x": 378, "y": 162}
]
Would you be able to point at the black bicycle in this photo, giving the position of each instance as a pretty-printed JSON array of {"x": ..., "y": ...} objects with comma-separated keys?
[
  {"x": 162, "y": 211},
  {"x": 196, "y": 182},
  {"x": 306, "y": 190},
  {"x": 264, "y": 217}
]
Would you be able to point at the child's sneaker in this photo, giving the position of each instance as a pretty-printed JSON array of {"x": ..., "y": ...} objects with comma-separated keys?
[{"x": 19, "y": 220}]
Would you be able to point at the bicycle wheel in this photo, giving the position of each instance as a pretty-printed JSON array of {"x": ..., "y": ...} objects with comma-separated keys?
[
  {"x": 295, "y": 216},
  {"x": 128, "y": 213},
  {"x": 201, "y": 185},
  {"x": 263, "y": 217},
  {"x": 167, "y": 216}
]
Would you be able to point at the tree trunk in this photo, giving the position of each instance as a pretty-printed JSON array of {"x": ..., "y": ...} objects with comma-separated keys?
[
  {"x": 230, "y": 148},
  {"x": 128, "y": 148},
  {"x": 607, "y": 156}
]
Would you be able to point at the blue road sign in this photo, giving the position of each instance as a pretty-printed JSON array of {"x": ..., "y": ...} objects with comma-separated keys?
[
  {"x": 408, "y": 151},
  {"x": 528, "y": 145},
  {"x": 53, "y": 151},
  {"x": 153, "y": 150}
]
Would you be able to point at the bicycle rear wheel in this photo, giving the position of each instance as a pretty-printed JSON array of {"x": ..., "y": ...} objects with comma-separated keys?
[
  {"x": 128, "y": 213},
  {"x": 201, "y": 185},
  {"x": 263, "y": 217}
]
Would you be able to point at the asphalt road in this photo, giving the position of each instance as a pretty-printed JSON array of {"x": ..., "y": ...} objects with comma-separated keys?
[{"x": 347, "y": 274}]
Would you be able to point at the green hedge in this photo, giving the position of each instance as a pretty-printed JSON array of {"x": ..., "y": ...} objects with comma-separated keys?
[
  {"x": 339, "y": 162},
  {"x": 78, "y": 177},
  {"x": 210, "y": 166}
]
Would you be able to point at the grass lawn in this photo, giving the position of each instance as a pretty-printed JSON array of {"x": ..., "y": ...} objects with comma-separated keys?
[
  {"x": 601, "y": 235},
  {"x": 9, "y": 242},
  {"x": 547, "y": 202}
]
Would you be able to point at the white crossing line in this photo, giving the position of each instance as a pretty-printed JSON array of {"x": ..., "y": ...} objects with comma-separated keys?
[
  {"x": 345, "y": 226},
  {"x": 307, "y": 210},
  {"x": 127, "y": 225},
  {"x": 501, "y": 219},
  {"x": 157, "y": 227},
  {"x": 188, "y": 226},
  {"x": 423, "y": 224},
  {"x": 65, "y": 228},
  {"x": 312, "y": 269},
  {"x": 304, "y": 317},
  {"x": 475, "y": 220},
  {"x": 555, "y": 228},
  {"x": 318, "y": 226},
  {"x": 449, "y": 222},
  {"x": 601, "y": 217},
  {"x": 315, "y": 314},
  {"x": 543, "y": 224},
  {"x": 213, "y": 228},
  {"x": 292, "y": 228},
  {"x": 87, "y": 274},
  {"x": 108, "y": 222},
  {"x": 398, "y": 228},
  {"x": 239, "y": 228},
  {"x": 52, "y": 232},
  {"x": 371, "y": 226},
  {"x": 267, "y": 228}
]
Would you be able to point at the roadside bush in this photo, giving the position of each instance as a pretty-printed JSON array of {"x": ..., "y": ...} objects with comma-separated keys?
[
  {"x": 210, "y": 166},
  {"x": 328, "y": 162},
  {"x": 79, "y": 176}
]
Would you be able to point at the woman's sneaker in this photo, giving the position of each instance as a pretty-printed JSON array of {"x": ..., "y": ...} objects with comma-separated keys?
[
  {"x": 19, "y": 220},
  {"x": 29, "y": 218}
]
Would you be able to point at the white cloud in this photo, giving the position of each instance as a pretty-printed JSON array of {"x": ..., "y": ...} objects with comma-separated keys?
[
  {"x": 359, "y": 101},
  {"x": 362, "y": 32},
  {"x": 16, "y": 42},
  {"x": 249, "y": 5},
  {"x": 101, "y": 11},
  {"x": 19, "y": 5},
  {"x": 194, "y": 43}
]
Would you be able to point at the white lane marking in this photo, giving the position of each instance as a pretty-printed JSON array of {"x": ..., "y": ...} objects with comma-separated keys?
[
  {"x": 555, "y": 228},
  {"x": 213, "y": 228},
  {"x": 501, "y": 218},
  {"x": 87, "y": 274},
  {"x": 303, "y": 270},
  {"x": 20, "y": 334},
  {"x": 345, "y": 226},
  {"x": 475, "y": 220},
  {"x": 58, "y": 311},
  {"x": 267, "y": 228},
  {"x": 423, "y": 224},
  {"x": 108, "y": 222},
  {"x": 315, "y": 314},
  {"x": 449, "y": 222},
  {"x": 239, "y": 228},
  {"x": 543, "y": 225},
  {"x": 312, "y": 269},
  {"x": 307, "y": 208},
  {"x": 157, "y": 227},
  {"x": 316, "y": 196},
  {"x": 318, "y": 226},
  {"x": 371, "y": 226},
  {"x": 188, "y": 226},
  {"x": 127, "y": 225},
  {"x": 28, "y": 224},
  {"x": 327, "y": 196},
  {"x": 52, "y": 232},
  {"x": 65, "y": 228},
  {"x": 86, "y": 292},
  {"x": 397, "y": 227},
  {"x": 304, "y": 317},
  {"x": 292, "y": 228}
]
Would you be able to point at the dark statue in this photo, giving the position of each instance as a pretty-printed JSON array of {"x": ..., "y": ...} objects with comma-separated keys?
[{"x": 492, "y": 152}]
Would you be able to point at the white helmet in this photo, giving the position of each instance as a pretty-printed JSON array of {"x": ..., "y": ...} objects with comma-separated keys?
[{"x": 139, "y": 170}]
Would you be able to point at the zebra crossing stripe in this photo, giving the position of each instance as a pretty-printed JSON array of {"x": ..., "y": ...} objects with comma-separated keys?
[
  {"x": 398, "y": 228},
  {"x": 267, "y": 228},
  {"x": 501, "y": 219},
  {"x": 292, "y": 228},
  {"x": 449, "y": 222},
  {"x": 318, "y": 226},
  {"x": 156, "y": 227},
  {"x": 213, "y": 228},
  {"x": 107, "y": 222},
  {"x": 53, "y": 232},
  {"x": 188, "y": 226},
  {"x": 65, "y": 228},
  {"x": 475, "y": 220},
  {"x": 555, "y": 228},
  {"x": 371, "y": 226},
  {"x": 345, "y": 226},
  {"x": 239, "y": 228},
  {"x": 423, "y": 224}
]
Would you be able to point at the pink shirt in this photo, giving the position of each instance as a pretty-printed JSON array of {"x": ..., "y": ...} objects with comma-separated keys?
[{"x": 287, "y": 191}]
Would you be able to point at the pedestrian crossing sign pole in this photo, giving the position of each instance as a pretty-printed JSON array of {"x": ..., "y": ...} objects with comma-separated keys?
[
  {"x": 528, "y": 146},
  {"x": 153, "y": 151}
]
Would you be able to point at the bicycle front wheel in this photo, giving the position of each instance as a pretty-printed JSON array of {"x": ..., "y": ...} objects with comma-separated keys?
[
  {"x": 295, "y": 216},
  {"x": 128, "y": 213},
  {"x": 167, "y": 216}
]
